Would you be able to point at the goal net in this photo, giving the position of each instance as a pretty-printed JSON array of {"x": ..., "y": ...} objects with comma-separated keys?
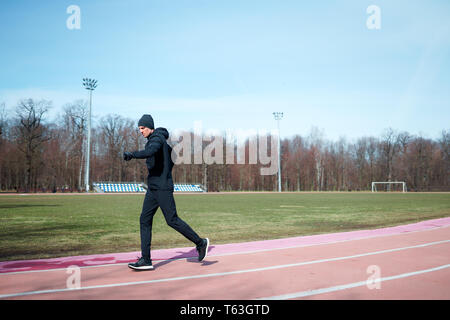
[{"x": 389, "y": 186}]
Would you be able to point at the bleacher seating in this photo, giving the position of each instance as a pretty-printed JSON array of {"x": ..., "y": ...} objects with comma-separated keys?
[
  {"x": 137, "y": 187},
  {"x": 188, "y": 188},
  {"x": 119, "y": 187}
]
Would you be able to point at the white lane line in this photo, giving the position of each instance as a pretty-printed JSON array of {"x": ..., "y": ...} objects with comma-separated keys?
[
  {"x": 224, "y": 273},
  {"x": 308, "y": 293}
]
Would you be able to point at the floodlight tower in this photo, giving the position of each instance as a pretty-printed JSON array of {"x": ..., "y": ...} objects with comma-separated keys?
[
  {"x": 89, "y": 84},
  {"x": 278, "y": 116}
]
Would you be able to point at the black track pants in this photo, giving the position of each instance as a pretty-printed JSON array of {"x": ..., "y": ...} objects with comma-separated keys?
[{"x": 165, "y": 201}]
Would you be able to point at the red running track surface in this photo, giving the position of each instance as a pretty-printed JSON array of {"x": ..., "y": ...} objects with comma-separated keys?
[{"x": 403, "y": 262}]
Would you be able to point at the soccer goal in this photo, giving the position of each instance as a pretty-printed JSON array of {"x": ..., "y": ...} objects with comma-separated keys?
[{"x": 389, "y": 186}]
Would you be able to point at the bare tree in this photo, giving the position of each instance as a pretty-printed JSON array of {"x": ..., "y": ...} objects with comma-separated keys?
[
  {"x": 31, "y": 133},
  {"x": 372, "y": 147},
  {"x": 360, "y": 151},
  {"x": 389, "y": 148},
  {"x": 444, "y": 144},
  {"x": 3, "y": 124},
  {"x": 116, "y": 135},
  {"x": 75, "y": 120},
  {"x": 3, "y": 120},
  {"x": 316, "y": 140}
]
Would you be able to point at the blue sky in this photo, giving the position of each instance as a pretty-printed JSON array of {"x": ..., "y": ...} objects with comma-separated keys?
[{"x": 230, "y": 64}]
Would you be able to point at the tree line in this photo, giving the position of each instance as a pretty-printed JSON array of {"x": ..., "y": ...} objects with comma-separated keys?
[{"x": 43, "y": 155}]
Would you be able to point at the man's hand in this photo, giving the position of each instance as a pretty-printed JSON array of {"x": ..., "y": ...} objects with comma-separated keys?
[{"x": 127, "y": 156}]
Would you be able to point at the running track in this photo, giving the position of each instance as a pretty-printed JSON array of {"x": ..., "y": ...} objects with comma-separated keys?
[{"x": 403, "y": 262}]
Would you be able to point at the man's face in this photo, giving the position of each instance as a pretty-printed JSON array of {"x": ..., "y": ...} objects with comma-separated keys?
[{"x": 146, "y": 132}]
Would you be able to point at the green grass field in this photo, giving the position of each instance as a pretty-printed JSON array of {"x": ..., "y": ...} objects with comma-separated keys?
[{"x": 43, "y": 226}]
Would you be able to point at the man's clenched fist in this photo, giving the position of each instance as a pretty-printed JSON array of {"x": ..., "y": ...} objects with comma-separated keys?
[{"x": 127, "y": 156}]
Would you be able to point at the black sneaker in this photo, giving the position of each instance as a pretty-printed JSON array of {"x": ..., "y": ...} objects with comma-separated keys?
[
  {"x": 141, "y": 264},
  {"x": 203, "y": 249}
]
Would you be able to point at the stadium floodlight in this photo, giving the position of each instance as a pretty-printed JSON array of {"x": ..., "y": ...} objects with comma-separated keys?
[
  {"x": 278, "y": 116},
  {"x": 89, "y": 84}
]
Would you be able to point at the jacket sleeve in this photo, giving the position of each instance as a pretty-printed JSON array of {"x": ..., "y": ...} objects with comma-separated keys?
[{"x": 150, "y": 149}]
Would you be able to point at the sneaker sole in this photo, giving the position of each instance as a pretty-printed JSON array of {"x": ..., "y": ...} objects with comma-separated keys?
[
  {"x": 206, "y": 251},
  {"x": 141, "y": 268}
]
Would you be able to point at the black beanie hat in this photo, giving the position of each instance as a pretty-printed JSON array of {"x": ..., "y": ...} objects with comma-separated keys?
[{"x": 146, "y": 121}]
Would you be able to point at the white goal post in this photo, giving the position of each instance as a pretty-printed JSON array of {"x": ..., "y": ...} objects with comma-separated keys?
[{"x": 374, "y": 184}]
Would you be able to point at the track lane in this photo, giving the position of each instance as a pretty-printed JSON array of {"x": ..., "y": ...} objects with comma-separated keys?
[{"x": 262, "y": 272}]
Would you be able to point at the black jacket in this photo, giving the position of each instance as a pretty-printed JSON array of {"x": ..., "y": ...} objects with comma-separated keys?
[{"x": 158, "y": 159}]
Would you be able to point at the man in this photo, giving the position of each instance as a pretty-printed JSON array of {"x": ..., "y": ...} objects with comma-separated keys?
[{"x": 160, "y": 192}]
